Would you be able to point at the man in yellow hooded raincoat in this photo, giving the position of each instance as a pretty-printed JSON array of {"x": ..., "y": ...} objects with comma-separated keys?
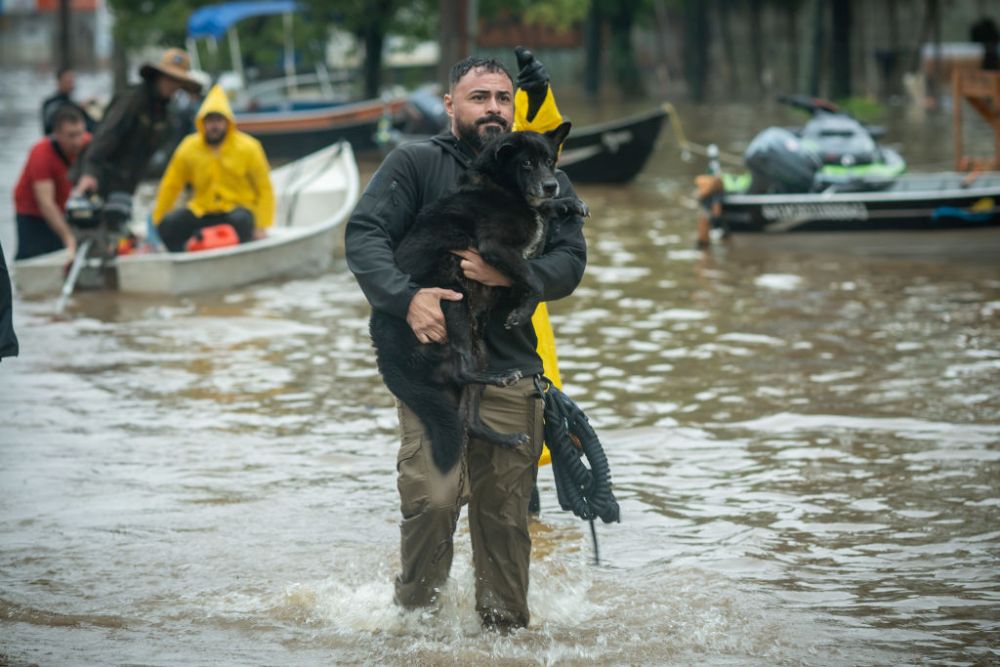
[{"x": 229, "y": 178}]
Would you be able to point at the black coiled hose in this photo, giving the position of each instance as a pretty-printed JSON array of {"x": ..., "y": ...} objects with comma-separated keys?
[{"x": 584, "y": 491}]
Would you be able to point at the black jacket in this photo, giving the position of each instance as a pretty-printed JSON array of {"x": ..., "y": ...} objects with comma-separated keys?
[
  {"x": 52, "y": 104},
  {"x": 132, "y": 128},
  {"x": 8, "y": 341},
  {"x": 415, "y": 175}
]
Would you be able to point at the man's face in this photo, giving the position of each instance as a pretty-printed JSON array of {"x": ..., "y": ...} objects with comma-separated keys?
[
  {"x": 67, "y": 82},
  {"x": 167, "y": 86},
  {"x": 69, "y": 136},
  {"x": 215, "y": 128},
  {"x": 481, "y": 105}
]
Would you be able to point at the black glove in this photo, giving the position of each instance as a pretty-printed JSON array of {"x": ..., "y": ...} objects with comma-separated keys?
[{"x": 532, "y": 78}]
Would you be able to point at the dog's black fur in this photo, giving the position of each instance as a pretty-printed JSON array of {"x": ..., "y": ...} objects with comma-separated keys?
[{"x": 502, "y": 208}]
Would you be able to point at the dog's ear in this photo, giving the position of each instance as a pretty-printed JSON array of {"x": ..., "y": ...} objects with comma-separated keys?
[
  {"x": 558, "y": 135},
  {"x": 503, "y": 147}
]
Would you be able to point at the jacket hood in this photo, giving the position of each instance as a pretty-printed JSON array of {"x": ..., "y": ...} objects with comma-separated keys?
[{"x": 215, "y": 102}]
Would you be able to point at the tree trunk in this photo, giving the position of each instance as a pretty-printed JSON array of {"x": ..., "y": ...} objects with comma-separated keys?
[
  {"x": 623, "y": 65},
  {"x": 453, "y": 35},
  {"x": 64, "y": 46},
  {"x": 374, "y": 39},
  {"x": 593, "y": 48},
  {"x": 792, "y": 27},
  {"x": 840, "y": 44},
  {"x": 757, "y": 39},
  {"x": 815, "y": 48},
  {"x": 728, "y": 48},
  {"x": 696, "y": 48}
]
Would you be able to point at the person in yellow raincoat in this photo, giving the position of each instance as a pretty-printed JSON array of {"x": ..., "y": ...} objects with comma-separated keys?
[
  {"x": 535, "y": 109},
  {"x": 228, "y": 174}
]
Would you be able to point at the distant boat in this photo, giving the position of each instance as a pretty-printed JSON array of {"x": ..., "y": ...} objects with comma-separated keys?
[
  {"x": 946, "y": 214},
  {"x": 289, "y": 131},
  {"x": 297, "y": 113},
  {"x": 315, "y": 195},
  {"x": 612, "y": 152}
]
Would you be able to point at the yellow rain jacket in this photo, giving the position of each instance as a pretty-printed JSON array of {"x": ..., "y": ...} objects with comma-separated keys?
[
  {"x": 223, "y": 177},
  {"x": 544, "y": 118}
]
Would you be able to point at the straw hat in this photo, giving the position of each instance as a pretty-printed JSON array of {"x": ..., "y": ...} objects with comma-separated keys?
[{"x": 176, "y": 64}]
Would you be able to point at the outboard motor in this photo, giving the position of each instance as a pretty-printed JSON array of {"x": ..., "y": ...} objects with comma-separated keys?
[
  {"x": 779, "y": 162},
  {"x": 99, "y": 227},
  {"x": 84, "y": 211},
  {"x": 117, "y": 211}
]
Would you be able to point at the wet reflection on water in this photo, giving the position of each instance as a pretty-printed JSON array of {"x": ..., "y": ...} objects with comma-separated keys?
[{"x": 805, "y": 448}]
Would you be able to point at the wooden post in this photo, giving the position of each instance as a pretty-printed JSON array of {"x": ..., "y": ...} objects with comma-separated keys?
[
  {"x": 981, "y": 89},
  {"x": 64, "y": 47}
]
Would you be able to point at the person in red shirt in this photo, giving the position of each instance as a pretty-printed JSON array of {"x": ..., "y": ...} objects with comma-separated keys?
[{"x": 43, "y": 188}]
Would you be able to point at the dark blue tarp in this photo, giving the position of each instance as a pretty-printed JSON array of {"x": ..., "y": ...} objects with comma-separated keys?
[{"x": 215, "y": 20}]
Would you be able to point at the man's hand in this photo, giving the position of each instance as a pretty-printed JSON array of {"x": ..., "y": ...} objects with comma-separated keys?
[
  {"x": 70, "y": 243},
  {"x": 474, "y": 268},
  {"x": 87, "y": 183},
  {"x": 531, "y": 73},
  {"x": 259, "y": 233},
  {"x": 425, "y": 316},
  {"x": 533, "y": 79}
]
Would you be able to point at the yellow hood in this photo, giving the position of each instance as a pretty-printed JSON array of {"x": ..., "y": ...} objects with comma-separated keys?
[{"x": 215, "y": 102}]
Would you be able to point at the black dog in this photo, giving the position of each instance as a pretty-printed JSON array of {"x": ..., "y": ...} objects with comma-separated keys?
[{"x": 502, "y": 208}]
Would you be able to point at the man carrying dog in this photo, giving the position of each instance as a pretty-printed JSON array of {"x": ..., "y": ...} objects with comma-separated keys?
[
  {"x": 228, "y": 174},
  {"x": 495, "y": 481}
]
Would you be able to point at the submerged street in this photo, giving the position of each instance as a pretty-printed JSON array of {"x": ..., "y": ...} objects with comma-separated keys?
[{"x": 805, "y": 446}]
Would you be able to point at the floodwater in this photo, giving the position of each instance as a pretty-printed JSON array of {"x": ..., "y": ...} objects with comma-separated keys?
[{"x": 806, "y": 449}]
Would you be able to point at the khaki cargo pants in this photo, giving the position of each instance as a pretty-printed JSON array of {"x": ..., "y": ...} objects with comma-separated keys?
[{"x": 496, "y": 482}]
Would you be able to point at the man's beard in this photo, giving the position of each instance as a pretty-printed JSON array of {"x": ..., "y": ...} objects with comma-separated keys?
[
  {"x": 471, "y": 134},
  {"x": 215, "y": 139}
]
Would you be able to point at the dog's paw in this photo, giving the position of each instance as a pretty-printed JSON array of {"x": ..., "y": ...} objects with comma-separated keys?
[
  {"x": 579, "y": 207},
  {"x": 568, "y": 206}
]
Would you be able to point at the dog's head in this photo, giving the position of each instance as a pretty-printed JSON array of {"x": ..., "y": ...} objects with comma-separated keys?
[{"x": 524, "y": 162}]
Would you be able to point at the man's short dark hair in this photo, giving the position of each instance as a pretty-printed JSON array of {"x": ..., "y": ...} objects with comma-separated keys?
[
  {"x": 464, "y": 66},
  {"x": 66, "y": 114},
  {"x": 62, "y": 70}
]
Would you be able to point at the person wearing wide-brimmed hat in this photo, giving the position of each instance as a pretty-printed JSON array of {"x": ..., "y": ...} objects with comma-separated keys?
[{"x": 135, "y": 126}]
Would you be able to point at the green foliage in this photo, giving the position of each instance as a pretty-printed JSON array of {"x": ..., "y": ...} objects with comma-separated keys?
[
  {"x": 410, "y": 18},
  {"x": 162, "y": 23},
  {"x": 559, "y": 14}
]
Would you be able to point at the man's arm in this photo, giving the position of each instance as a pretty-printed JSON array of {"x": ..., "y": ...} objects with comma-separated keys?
[
  {"x": 103, "y": 146},
  {"x": 387, "y": 208},
  {"x": 385, "y": 212},
  {"x": 45, "y": 196},
  {"x": 174, "y": 179}
]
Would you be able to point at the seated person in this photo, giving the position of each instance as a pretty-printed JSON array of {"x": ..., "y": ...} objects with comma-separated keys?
[
  {"x": 65, "y": 85},
  {"x": 229, "y": 178},
  {"x": 44, "y": 186}
]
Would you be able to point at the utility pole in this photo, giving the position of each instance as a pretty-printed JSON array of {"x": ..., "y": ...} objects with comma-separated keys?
[
  {"x": 456, "y": 34},
  {"x": 63, "y": 41}
]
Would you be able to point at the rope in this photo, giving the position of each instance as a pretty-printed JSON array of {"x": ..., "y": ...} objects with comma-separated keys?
[
  {"x": 688, "y": 147},
  {"x": 584, "y": 491}
]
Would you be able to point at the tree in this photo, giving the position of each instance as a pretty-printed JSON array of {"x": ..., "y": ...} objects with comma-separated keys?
[{"x": 371, "y": 21}]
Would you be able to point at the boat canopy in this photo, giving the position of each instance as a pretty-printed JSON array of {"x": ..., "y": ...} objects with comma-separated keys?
[{"x": 215, "y": 20}]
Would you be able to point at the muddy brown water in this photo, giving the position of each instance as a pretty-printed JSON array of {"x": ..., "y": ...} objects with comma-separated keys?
[{"x": 806, "y": 448}]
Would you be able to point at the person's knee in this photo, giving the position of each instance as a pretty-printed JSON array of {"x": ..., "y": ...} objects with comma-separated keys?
[
  {"x": 243, "y": 222},
  {"x": 431, "y": 501},
  {"x": 175, "y": 228}
]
